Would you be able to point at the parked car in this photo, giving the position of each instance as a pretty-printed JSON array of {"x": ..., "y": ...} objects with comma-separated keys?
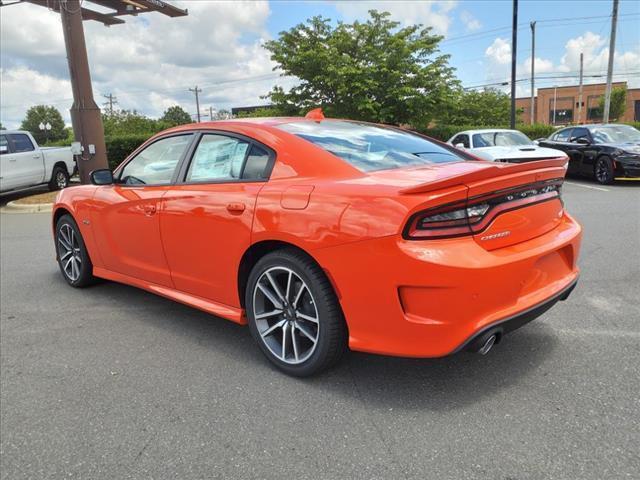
[
  {"x": 605, "y": 152},
  {"x": 325, "y": 233},
  {"x": 501, "y": 145},
  {"x": 24, "y": 164}
]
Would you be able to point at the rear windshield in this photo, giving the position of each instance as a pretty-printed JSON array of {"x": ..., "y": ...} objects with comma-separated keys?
[{"x": 370, "y": 148}]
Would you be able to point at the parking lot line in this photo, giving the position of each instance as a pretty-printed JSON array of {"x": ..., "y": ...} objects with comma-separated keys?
[{"x": 587, "y": 186}]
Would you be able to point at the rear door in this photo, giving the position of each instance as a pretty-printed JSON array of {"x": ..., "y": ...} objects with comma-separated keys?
[
  {"x": 206, "y": 219},
  {"x": 126, "y": 215}
]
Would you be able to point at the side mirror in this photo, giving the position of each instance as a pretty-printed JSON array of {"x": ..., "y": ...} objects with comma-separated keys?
[
  {"x": 104, "y": 176},
  {"x": 583, "y": 141},
  {"x": 4, "y": 149},
  {"x": 459, "y": 145}
]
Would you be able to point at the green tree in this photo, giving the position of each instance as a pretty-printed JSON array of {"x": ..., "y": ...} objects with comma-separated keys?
[
  {"x": 370, "y": 70},
  {"x": 125, "y": 122},
  {"x": 617, "y": 105},
  {"x": 487, "y": 107},
  {"x": 175, "y": 115},
  {"x": 2, "y": 126},
  {"x": 43, "y": 114}
]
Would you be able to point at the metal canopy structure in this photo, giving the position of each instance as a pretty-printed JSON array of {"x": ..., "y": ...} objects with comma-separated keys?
[
  {"x": 85, "y": 115},
  {"x": 120, "y": 8}
]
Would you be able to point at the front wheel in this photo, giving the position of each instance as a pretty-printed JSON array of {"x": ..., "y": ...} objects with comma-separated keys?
[
  {"x": 59, "y": 178},
  {"x": 603, "y": 171},
  {"x": 71, "y": 253},
  {"x": 294, "y": 314}
]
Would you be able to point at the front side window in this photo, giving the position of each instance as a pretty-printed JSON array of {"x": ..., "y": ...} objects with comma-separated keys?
[
  {"x": 217, "y": 158},
  {"x": 579, "y": 134},
  {"x": 369, "y": 147},
  {"x": 463, "y": 139},
  {"x": 4, "y": 144},
  {"x": 156, "y": 164},
  {"x": 21, "y": 143}
]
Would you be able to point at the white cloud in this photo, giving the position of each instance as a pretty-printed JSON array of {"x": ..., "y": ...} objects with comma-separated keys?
[
  {"x": 499, "y": 51},
  {"x": 592, "y": 46},
  {"x": 148, "y": 63},
  {"x": 470, "y": 22},
  {"x": 431, "y": 13}
]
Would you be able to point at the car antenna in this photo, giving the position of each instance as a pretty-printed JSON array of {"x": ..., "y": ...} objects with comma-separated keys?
[{"x": 315, "y": 114}]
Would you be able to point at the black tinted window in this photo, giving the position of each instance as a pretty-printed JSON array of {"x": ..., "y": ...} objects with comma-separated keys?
[
  {"x": 4, "y": 144},
  {"x": 579, "y": 133},
  {"x": 257, "y": 164},
  {"x": 369, "y": 147},
  {"x": 562, "y": 135},
  {"x": 21, "y": 142},
  {"x": 463, "y": 139}
]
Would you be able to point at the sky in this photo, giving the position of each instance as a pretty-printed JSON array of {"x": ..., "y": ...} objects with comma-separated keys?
[{"x": 151, "y": 61}]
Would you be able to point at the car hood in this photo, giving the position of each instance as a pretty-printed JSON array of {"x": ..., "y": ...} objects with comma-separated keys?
[
  {"x": 633, "y": 148},
  {"x": 524, "y": 151}
]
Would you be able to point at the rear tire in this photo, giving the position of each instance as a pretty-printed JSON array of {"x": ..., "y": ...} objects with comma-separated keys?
[
  {"x": 290, "y": 301},
  {"x": 603, "y": 171},
  {"x": 59, "y": 178},
  {"x": 71, "y": 254}
]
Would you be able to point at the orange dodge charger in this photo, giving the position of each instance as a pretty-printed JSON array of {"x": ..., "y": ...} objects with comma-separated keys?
[{"x": 322, "y": 234}]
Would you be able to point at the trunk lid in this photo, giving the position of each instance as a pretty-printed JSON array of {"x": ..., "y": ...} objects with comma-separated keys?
[{"x": 521, "y": 208}]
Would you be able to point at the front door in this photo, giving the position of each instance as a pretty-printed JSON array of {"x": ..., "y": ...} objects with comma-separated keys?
[
  {"x": 126, "y": 215},
  {"x": 23, "y": 165},
  {"x": 206, "y": 219}
]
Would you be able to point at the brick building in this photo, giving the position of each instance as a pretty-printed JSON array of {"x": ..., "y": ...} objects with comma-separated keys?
[{"x": 566, "y": 104}]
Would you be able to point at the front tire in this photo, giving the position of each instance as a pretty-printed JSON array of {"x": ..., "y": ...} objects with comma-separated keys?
[
  {"x": 294, "y": 314},
  {"x": 603, "y": 171},
  {"x": 59, "y": 178},
  {"x": 71, "y": 253}
]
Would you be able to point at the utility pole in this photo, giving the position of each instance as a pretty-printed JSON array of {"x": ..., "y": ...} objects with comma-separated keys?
[
  {"x": 111, "y": 100},
  {"x": 197, "y": 91},
  {"x": 580, "y": 89},
  {"x": 533, "y": 69},
  {"x": 85, "y": 114},
  {"x": 555, "y": 102},
  {"x": 210, "y": 113},
  {"x": 612, "y": 47},
  {"x": 514, "y": 48}
]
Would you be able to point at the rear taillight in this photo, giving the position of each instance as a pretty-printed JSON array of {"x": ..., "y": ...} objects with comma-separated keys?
[{"x": 475, "y": 214}]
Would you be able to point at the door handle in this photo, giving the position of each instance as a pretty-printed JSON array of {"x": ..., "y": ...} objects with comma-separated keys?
[
  {"x": 149, "y": 210},
  {"x": 36, "y": 156},
  {"x": 236, "y": 207}
]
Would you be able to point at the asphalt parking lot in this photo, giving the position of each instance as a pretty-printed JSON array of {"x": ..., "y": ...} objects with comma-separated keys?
[{"x": 112, "y": 382}]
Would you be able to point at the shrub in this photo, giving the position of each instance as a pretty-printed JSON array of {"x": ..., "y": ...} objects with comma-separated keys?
[{"x": 119, "y": 147}]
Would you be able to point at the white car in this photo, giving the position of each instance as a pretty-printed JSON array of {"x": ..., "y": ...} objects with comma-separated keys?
[
  {"x": 501, "y": 145},
  {"x": 24, "y": 164}
]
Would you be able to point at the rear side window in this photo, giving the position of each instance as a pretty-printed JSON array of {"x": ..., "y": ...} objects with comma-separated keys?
[
  {"x": 4, "y": 144},
  {"x": 257, "y": 165},
  {"x": 369, "y": 147},
  {"x": 217, "y": 158},
  {"x": 562, "y": 135},
  {"x": 21, "y": 143}
]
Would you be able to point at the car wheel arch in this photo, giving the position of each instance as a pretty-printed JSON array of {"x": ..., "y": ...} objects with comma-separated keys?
[{"x": 258, "y": 250}]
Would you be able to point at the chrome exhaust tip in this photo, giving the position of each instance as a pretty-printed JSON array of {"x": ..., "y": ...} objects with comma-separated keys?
[{"x": 488, "y": 344}]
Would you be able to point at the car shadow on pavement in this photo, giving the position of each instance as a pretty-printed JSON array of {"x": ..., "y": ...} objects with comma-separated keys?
[{"x": 446, "y": 383}]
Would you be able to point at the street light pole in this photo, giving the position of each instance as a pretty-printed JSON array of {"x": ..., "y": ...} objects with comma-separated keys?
[{"x": 514, "y": 48}]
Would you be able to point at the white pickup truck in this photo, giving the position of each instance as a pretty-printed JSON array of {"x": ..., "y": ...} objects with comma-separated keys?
[{"x": 24, "y": 164}]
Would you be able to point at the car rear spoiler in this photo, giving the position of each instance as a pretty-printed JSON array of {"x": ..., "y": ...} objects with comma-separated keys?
[{"x": 493, "y": 171}]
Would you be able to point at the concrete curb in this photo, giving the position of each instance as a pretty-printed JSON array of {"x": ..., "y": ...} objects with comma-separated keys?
[{"x": 13, "y": 207}]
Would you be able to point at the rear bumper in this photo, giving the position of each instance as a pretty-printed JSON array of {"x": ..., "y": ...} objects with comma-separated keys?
[
  {"x": 504, "y": 326},
  {"x": 430, "y": 298}
]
